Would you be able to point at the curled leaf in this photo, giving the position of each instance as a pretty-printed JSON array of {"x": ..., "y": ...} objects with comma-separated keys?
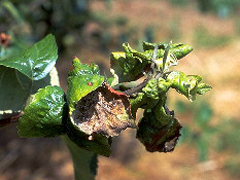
[
  {"x": 203, "y": 88},
  {"x": 97, "y": 112},
  {"x": 185, "y": 84},
  {"x": 178, "y": 49},
  {"x": 128, "y": 65},
  {"x": 156, "y": 88},
  {"x": 157, "y": 130},
  {"x": 103, "y": 111}
]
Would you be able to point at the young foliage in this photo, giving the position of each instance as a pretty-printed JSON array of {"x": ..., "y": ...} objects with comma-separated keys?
[{"x": 92, "y": 111}]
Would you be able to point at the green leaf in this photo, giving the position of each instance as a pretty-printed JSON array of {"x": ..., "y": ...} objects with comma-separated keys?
[
  {"x": 84, "y": 162},
  {"x": 178, "y": 49},
  {"x": 126, "y": 65},
  {"x": 37, "y": 61},
  {"x": 82, "y": 80},
  {"x": 130, "y": 64},
  {"x": 13, "y": 11},
  {"x": 15, "y": 89},
  {"x": 185, "y": 84},
  {"x": 156, "y": 88},
  {"x": 202, "y": 146},
  {"x": 43, "y": 116},
  {"x": 203, "y": 115},
  {"x": 150, "y": 95},
  {"x": 203, "y": 88}
]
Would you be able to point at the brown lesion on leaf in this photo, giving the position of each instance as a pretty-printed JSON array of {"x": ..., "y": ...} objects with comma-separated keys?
[
  {"x": 158, "y": 135},
  {"x": 168, "y": 144},
  {"x": 103, "y": 111}
]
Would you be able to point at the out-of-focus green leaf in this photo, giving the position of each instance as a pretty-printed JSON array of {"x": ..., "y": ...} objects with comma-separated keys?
[
  {"x": 13, "y": 11},
  {"x": 43, "y": 116},
  {"x": 37, "y": 61},
  {"x": 181, "y": 106},
  {"x": 186, "y": 134},
  {"x": 157, "y": 130},
  {"x": 84, "y": 162},
  {"x": 202, "y": 145},
  {"x": 203, "y": 115}
]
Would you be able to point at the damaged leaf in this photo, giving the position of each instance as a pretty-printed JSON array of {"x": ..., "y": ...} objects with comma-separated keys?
[
  {"x": 158, "y": 130},
  {"x": 97, "y": 112},
  {"x": 103, "y": 111},
  {"x": 82, "y": 79}
]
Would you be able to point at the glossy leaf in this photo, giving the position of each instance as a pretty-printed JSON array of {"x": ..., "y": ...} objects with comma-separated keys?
[
  {"x": 43, "y": 116},
  {"x": 156, "y": 88},
  {"x": 37, "y": 61}
]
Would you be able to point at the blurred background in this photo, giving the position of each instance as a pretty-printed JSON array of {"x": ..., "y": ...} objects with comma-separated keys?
[{"x": 209, "y": 147}]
